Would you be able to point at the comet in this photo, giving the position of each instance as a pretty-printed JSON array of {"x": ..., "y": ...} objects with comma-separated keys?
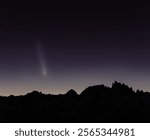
[{"x": 41, "y": 59}]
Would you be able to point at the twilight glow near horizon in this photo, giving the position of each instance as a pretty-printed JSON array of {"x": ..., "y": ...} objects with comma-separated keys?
[{"x": 54, "y": 51}]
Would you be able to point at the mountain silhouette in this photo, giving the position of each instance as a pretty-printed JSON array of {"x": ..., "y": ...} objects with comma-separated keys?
[
  {"x": 98, "y": 103},
  {"x": 72, "y": 93}
]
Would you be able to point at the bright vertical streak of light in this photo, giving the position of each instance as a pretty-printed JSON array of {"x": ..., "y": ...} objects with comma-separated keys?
[{"x": 41, "y": 59}]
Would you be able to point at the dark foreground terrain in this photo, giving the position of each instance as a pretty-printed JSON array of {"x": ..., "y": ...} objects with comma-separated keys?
[{"x": 95, "y": 104}]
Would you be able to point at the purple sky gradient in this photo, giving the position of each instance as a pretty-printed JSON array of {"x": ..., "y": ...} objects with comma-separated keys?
[{"x": 78, "y": 47}]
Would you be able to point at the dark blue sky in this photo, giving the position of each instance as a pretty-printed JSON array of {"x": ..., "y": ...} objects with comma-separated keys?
[{"x": 53, "y": 48}]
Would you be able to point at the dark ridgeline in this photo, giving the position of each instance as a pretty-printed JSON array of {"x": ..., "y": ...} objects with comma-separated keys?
[{"x": 95, "y": 104}]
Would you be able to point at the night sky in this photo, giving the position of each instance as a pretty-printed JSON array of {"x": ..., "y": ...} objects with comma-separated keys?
[{"x": 55, "y": 47}]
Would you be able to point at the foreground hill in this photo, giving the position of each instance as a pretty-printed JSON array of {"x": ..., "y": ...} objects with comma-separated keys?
[{"x": 95, "y": 104}]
